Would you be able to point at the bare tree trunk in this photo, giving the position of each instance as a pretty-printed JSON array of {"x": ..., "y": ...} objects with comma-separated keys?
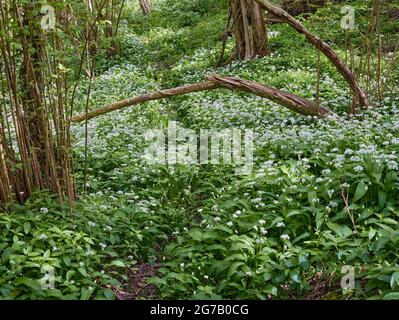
[
  {"x": 33, "y": 101},
  {"x": 286, "y": 99},
  {"x": 249, "y": 29},
  {"x": 145, "y": 6},
  {"x": 33, "y": 144},
  {"x": 322, "y": 46},
  {"x": 113, "y": 11}
]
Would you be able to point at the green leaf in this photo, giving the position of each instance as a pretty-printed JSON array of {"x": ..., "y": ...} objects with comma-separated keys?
[
  {"x": 26, "y": 227},
  {"x": 382, "y": 198},
  {"x": 394, "y": 280},
  {"x": 86, "y": 293},
  {"x": 271, "y": 290},
  {"x": 83, "y": 272},
  {"x": 108, "y": 293},
  {"x": 391, "y": 296},
  {"x": 372, "y": 233},
  {"x": 88, "y": 240},
  {"x": 267, "y": 276},
  {"x": 118, "y": 263},
  {"x": 342, "y": 231},
  {"x": 295, "y": 277},
  {"x": 67, "y": 261},
  {"x": 233, "y": 268},
  {"x": 70, "y": 274},
  {"x": 46, "y": 255},
  {"x": 360, "y": 191},
  {"x": 312, "y": 196},
  {"x": 30, "y": 283},
  {"x": 319, "y": 219},
  {"x": 304, "y": 262}
]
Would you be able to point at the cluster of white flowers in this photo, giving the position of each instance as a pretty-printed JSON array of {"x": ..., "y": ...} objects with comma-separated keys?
[
  {"x": 91, "y": 224},
  {"x": 285, "y": 237}
]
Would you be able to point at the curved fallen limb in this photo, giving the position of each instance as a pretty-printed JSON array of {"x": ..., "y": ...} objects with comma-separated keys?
[
  {"x": 322, "y": 46},
  {"x": 291, "y": 101},
  {"x": 286, "y": 99}
]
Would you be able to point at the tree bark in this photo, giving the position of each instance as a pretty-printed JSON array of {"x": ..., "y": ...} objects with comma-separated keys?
[
  {"x": 145, "y": 6},
  {"x": 249, "y": 29},
  {"x": 322, "y": 46},
  {"x": 286, "y": 99}
]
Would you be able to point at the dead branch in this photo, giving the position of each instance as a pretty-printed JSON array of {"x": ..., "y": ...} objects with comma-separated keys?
[
  {"x": 322, "y": 46},
  {"x": 286, "y": 99},
  {"x": 144, "y": 98}
]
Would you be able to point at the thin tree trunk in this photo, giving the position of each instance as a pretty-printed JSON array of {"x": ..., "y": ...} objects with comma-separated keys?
[
  {"x": 145, "y": 6},
  {"x": 249, "y": 29},
  {"x": 286, "y": 99},
  {"x": 33, "y": 137},
  {"x": 323, "y": 46}
]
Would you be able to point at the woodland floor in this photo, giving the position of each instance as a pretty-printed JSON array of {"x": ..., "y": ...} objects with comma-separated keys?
[{"x": 201, "y": 232}]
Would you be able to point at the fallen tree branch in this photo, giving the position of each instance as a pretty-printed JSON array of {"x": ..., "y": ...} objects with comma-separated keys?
[
  {"x": 286, "y": 99},
  {"x": 144, "y": 98},
  {"x": 322, "y": 46},
  {"x": 291, "y": 101}
]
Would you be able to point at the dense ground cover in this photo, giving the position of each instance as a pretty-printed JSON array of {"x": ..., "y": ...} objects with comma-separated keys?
[{"x": 323, "y": 193}]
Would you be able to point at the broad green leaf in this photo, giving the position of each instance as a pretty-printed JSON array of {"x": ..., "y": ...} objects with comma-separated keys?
[
  {"x": 391, "y": 296},
  {"x": 234, "y": 267},
  {"x": 382, "y": 198},
  {"x": 26, "y": 227},
  {"x": 361, "y": 190},
  {"x": 83, "y": 272},
  {"x": 394, "y": 280},
  {"x": 86, "y": 293},
  {"x": 108, "y": 293},
  {"x": 304, "y": 262},
  {"x": 312, "y": 197},
  {"x": 70, "y": 274},
  {"x": 118, "y": 263},
  {"x": 342, "y": 231},
  {"x": 27, "y": 282}
]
